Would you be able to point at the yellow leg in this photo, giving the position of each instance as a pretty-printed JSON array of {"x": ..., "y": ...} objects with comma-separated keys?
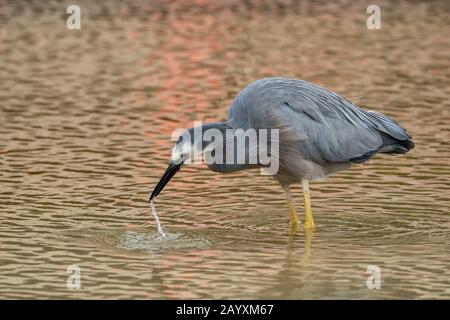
[
  {"x": 292, "y": 212},
  {"x": 309, "y": 221}
]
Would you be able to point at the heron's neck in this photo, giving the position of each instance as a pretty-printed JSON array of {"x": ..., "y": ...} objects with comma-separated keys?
[
  {"x": 218, "y": 150},
  {"x": 222, "y": 126}
]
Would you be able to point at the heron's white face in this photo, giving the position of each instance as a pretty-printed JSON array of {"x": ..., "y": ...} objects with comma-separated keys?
[
  {"x": 181, "y": 152},
  {"x": 186, "y": 150}
]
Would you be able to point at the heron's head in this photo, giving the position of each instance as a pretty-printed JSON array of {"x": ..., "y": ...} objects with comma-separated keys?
[{"x": 188, "y": 148}]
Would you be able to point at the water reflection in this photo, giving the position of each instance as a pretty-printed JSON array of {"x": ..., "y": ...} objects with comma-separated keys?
[
  {"x": 295, "y": 271},
  {"x": 86, "y": 118}
]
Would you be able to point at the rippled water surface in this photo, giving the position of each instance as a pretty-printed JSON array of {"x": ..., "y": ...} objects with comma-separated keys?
[{"x": 85, "y": 122}]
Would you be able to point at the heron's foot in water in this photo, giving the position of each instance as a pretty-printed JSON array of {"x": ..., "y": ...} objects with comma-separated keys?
[
  {"x": 293, "y": 214},
  {"x": 309, "y": 221},
  {"x": 309, "y": 224}
]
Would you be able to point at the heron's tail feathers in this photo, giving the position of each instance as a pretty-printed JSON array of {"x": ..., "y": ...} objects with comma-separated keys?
[
  {"x": 395, "y": 146},
  {"x": 395, "y": 139}
]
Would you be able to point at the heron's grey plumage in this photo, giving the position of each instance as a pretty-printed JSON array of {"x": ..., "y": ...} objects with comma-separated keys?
[{"x": 320, "y": 132}]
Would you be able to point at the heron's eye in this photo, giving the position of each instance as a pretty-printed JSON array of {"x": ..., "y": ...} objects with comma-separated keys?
[{"x": 179, "y": 140}]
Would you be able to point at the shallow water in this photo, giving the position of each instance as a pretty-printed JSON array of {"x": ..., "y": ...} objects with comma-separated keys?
[{"x": 86, "y": 118}]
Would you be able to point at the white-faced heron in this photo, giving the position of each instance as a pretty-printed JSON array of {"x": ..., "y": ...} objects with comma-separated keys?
[{"x": 319, "y": 133}]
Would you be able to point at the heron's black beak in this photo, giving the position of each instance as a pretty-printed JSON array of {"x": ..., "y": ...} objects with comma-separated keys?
[{"x": 170, "y": 172}]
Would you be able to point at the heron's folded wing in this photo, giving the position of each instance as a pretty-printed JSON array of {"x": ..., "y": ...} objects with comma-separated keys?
[
  {"x": 328, "y": 127},
  {"x": 332, "y": 134}
]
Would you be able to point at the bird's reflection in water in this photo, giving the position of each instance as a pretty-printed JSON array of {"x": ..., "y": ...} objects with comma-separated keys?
[
  {"x": 291, "y": 253},
  {"x": 308, "y": 235},
  {"x": 295, "y": 271}
]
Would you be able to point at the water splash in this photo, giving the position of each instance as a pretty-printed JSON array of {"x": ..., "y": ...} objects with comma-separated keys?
[
  {"x": 144, "y": 241},
  {"x": 155, "y": 215}
]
